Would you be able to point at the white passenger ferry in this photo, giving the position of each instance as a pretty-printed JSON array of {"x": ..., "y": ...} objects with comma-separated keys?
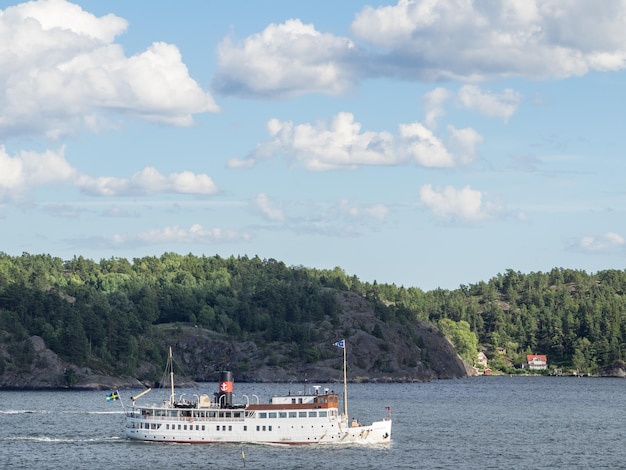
[{"x": 308, "y": 418}]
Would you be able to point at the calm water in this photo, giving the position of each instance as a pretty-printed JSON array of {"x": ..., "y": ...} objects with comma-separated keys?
[{"x": 487, "y": 422}]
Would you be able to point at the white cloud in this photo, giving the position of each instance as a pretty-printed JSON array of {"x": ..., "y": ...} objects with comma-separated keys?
[
  {"x": 434, "y": 105},
  {"x": 365, "y": 212},
  {"x": 429, "y": 40},
  {"x": 61, "y": 71},
  {"x": 465, "y": 204},
  {"x": 287, "y": 59},
  {"x": 23, "y": 173},
  {"x": 195, "y": 234},
  {"x": 28, "y": 170},
  {"x": 424, "y": 147},
  {"x": 428, "y": 150},
  {"x": 267, "y": 207},
  {"x": 609, "y": 242},
  {"x": 342, "y": 145},
  {"x": 465, "y": 40},
  {"x": 502, "y": 106},
  {"x": 147, "y": 182},
  {"x": 322, "y": 147}
]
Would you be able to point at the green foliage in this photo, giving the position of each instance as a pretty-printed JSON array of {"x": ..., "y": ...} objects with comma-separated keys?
[
  {"x": 463, "y": 339},
  {"x": 90, "y": 312},
  {"x": 103, "y": 313}
]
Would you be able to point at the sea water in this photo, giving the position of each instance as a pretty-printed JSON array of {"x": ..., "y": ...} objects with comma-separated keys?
[{"x": 477, "y": 423}]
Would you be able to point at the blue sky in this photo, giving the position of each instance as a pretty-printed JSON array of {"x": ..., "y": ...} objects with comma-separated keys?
[{"x": 423, "y": 143}]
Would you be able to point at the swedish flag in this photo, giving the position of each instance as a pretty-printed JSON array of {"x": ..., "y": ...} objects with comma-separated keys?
[{"x": 113, "y": 396}]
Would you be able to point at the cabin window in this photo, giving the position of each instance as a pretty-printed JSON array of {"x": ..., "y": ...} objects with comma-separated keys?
[
  {"x": 167, "y": 426},
  {"x": 323, "y": 414},
  {"x": 262, "y": 415},
  {"x": 273, "y": 414},
  {"x": 282, "y": 414},
  {"x": 258, "y": 428},
  {"x": 263, "y": 428},
  {"x": 217, "y": 428},
  {"x": 245, "y": 428},
  {"x": 293, "y": 414},
  {"x": 230, "y": 428},
  {"x": 269, "y": 428},
  {"x": 197, "y": 428},
  {"x": 237, "y": 414},
  {"x": 179, "y": 427},
  {"x": 185, "y": 427},
  {"x": 302, "y": 414},
  {"x": 312, "y": 414},
  {"x": 293, "y": 401}
]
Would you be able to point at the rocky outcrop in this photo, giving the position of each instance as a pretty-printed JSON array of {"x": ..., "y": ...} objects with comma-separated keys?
[
  {"x": 377, "y": 351},
  {"x": 47, "y": 371},
  {"x": 617, "y": 369}
]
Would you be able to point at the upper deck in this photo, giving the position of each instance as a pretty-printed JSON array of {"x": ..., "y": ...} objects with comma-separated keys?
[{"x": 298, "y": 402}]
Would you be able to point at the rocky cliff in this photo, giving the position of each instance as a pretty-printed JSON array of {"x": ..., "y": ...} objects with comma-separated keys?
[{"x": 376, "y": 352}]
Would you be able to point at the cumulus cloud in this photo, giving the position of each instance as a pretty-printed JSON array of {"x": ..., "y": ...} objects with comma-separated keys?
[
  {"x": 21, "y": 174},
  {"x": 501, "y": 105},
  {"x": 465, "y": 204},
  {"x": 429, "y": 40},
  {"x": 27, "y": 170},
  {"x": 343, "y": 145},
  {"x": 466, "y": 40},
  {"x": 609, "y": 242},
  {"x": 267, "y": 208},
  {"x": 321, "y": 147},
  {"x": 60, "y": 71},
  {"x": 285, "y": 60},
  {"x": 148, "y": 182}
]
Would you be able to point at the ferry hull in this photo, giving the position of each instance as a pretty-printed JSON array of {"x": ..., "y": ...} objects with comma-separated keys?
[{"x": 284, "y": 433}]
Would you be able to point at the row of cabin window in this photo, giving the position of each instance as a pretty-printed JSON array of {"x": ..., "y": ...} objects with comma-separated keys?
[
  {"x": 201, "y": 427},
  {"x": 294, "y": 414}
]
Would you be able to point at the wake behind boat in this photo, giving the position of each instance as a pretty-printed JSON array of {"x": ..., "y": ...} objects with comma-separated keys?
[{"x": 307, "y": 418}]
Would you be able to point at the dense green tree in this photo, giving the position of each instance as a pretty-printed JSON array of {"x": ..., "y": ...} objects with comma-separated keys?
[{"x": 105, "y": 311}]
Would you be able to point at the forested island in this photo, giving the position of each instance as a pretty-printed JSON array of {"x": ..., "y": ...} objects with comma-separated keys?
[{"x": 82, "y": 323}]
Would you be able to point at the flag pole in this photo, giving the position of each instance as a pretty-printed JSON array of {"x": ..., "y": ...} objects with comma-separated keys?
[
  {"x": 345, "y": 381},
  {"x": 121, "y": 401}
]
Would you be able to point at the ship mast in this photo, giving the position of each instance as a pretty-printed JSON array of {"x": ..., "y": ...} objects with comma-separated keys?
[
  {"x": 345, "y": 382},
  {"x": 171, "y": 363}
]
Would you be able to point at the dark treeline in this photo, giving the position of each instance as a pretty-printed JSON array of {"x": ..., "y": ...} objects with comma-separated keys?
[{"x": 104, "y": 313}]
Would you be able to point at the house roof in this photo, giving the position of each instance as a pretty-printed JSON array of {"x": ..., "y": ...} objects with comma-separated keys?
[{"x": 532, "y": 357}]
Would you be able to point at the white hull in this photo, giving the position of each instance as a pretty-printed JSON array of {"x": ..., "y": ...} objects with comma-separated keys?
[{"x": 256, "y": 430}]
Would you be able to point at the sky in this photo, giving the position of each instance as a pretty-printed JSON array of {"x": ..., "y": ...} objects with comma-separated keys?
[{"x": 422, "y": 143}]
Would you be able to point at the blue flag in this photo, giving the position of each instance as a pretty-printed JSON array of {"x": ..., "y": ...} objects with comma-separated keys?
[
  {"x": 340, "y": 344},
  {"x": 113, "y": 396}
]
